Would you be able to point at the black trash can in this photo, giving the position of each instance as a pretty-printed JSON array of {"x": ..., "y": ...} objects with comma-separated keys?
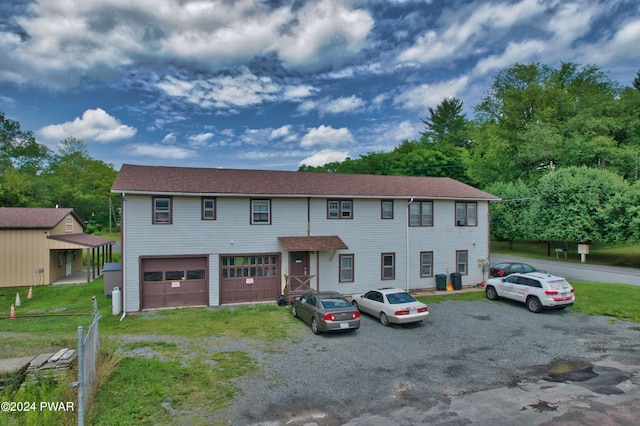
[
  {"x": 441, "y": 282},
  {"x": 456, "y": 280}
]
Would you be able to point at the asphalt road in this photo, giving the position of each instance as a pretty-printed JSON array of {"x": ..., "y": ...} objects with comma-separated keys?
[{"x": 578, "y": 271}]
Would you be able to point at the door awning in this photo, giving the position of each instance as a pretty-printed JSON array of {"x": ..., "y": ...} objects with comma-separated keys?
[
  {"x": 84, "y": 240},
  {"x": 313, "y": 243}
]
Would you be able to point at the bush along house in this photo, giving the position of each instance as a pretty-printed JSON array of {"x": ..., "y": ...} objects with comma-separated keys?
[{"x": 207, "y": 237}]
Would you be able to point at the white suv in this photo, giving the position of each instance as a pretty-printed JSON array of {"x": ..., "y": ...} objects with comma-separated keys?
[{"x": 538, "y": 290}]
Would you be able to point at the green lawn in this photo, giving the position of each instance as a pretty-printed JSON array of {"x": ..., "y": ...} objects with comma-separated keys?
[{"x": 599, "y": 254}]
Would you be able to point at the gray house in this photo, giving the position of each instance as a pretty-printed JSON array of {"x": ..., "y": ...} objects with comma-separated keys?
[{"x": 198, "y": 236}]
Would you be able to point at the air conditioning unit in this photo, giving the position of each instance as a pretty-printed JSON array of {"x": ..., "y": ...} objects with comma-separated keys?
[{"x": 460, "y": 222}]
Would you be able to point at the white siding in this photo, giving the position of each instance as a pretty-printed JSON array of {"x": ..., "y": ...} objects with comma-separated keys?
[{"x": 367, "y": 235}]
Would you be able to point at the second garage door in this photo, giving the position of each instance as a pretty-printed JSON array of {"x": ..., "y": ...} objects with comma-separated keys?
[{"x": 249, "y": 278}]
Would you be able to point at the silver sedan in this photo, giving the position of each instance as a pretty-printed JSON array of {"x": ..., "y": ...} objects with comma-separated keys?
[{"x": 326, "y": 311}]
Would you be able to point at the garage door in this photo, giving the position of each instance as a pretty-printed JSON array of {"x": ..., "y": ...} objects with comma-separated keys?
[
  {"x": 174, "y": 281},
  {"x": 249, "y": 278}
]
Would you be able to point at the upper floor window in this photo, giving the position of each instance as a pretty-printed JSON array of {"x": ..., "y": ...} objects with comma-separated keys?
[
  {"x": 462, "y": 261},
  {"x": 339, "y": 209},
  {"x": 260, "y": 211},
  {"x": 346, "y": 268},
  {"x": 388, "y": 266},
  {"x": 426, "y": 264},
  {"x": 387, "y": 209},
  {"x": 466, "y": 214},
  {"x": 208, "y": 209},
  {"x": 162, "y": 210},
  {"x": 421, "y": 213}
]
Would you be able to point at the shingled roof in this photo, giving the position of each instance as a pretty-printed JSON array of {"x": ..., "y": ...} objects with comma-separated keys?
[
  {"x": 187, "y": 180},
  {"x": 33, "y": 218}
]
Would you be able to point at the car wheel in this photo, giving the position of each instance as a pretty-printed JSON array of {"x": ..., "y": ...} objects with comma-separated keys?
[
  {"x": 384, "y": 320},
  {"x": 534, "y": 304},
  {"x": 294, "y": 312},
  {"x": 491, "y": 293},
  {"x": 314, "y": 326}
]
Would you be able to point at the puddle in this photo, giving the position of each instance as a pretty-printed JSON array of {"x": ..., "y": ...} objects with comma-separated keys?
[{"x": 570, "y": 370}]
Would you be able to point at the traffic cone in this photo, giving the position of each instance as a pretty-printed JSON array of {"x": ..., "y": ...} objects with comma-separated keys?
[
  {"x": 12, "y": 315},
  {"x": 30, "y": 295},
  {"x": 18, "y": 299}
]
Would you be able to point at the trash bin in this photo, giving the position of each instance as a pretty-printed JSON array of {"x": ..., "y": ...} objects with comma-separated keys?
[
  {"x": 456, "y": 280},
  {"x": 441, "y": 282}
]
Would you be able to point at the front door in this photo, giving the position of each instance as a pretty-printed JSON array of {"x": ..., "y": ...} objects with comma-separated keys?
[{"x": 299, "y": 273}]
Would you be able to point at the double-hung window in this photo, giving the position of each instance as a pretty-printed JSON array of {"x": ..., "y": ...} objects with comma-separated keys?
[
  {"x": 387, "y": 209},
  {"x": 388, "y": 266},
  {"x": 421, "y": 213},
  {"x": 346, "y": 268},
  {"x": 426, "y": 264},
  {"x": 260, "y": 211},
  {"x": 462, "y": 261},
  {"x": 466, "y": 214},
  {"x": 208, "y": 209},
  {"x": 162, "y": 210},
  {"x": 339, "y": 209}
]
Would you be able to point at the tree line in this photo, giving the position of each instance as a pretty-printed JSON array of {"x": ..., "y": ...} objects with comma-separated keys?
[
  {"x": 32, "y": 175},
  {"x": 560, "y": 146}
]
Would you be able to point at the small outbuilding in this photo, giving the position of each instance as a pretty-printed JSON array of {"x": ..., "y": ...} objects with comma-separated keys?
[{"x": 39, "y": 246}]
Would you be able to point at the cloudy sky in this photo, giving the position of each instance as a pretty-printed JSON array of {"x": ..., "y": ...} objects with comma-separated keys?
[{"x": 272, "y": 84}]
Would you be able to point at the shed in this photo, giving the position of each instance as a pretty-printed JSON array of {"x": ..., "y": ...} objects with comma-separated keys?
[{"x": 112, "y": 277}]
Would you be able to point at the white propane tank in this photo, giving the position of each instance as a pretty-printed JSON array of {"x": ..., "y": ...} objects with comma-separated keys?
[{"x": 116, "y": 301}]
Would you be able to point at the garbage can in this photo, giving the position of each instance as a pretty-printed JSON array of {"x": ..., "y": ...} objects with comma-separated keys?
[
  {"x": 456, "y": 280},
  {"x": 441, "y": 282}
]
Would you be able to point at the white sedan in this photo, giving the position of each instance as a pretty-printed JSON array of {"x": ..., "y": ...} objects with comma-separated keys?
[{"x": 391, "y": 305}]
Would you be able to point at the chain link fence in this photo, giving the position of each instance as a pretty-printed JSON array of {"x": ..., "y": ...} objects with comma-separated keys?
[{"x": 88, "y": 348}]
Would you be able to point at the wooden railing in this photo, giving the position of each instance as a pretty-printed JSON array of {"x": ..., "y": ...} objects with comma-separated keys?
[{"x": 297, "y": 286}]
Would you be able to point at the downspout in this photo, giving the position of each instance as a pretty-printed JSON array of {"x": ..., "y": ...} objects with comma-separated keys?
[
  {"x": 124, "y": 287},
  {"x": 407, "y": 235}
]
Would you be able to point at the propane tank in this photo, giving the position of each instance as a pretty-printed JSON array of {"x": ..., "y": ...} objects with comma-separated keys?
[{"x": 116, "y": 301}]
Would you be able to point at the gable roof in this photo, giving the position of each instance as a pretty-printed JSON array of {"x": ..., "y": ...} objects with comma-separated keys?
[
  {"x": 34, "y": 218},
  {"x": 203, "y": 181}
]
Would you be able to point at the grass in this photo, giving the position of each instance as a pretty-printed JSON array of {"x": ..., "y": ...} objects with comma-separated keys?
[
  {"x": 162, "y": 367},
  {"x": 599, "y": 254}
]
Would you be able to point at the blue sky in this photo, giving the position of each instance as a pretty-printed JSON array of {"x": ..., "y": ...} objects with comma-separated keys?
[{"x": 272, "y": 84}]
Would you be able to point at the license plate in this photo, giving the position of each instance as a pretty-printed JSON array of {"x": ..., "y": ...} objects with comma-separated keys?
[{"x": 344, "y": 325}]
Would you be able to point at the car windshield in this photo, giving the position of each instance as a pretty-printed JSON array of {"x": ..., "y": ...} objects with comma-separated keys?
[
  {"x": 395, "y": 298},
  {"x": 335, "y": 302}
]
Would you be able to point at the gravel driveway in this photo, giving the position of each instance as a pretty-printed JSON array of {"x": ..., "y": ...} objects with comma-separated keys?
[{"x": 468, "y": 363}]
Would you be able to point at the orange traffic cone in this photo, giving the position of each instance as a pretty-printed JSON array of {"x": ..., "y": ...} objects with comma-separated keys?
[
  {"x": 30, "y": 295},
  {"x": 12, "y": 315}
]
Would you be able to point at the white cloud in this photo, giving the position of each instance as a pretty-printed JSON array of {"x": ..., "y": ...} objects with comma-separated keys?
[
  {"x": 228, "y": 91},
  {"x": 283, "y": 132},
  {"x": 622, "y": 44},
  {"x": 429, "y": 95},
  {"x": 64, "y": 42},
  {"x": 326, "y": 135},
  {"x": 324, "y": 106},
  {"x": 200, "y": 140},
  {"x": 325, "y": 30},
  {"x": 95, "y": 124},
  {"x": 170, "y": 138},
  {"x": 323, "y": 157},
  {"x": 515, "y": 52},
  {"x": 159, "y": 151}
]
